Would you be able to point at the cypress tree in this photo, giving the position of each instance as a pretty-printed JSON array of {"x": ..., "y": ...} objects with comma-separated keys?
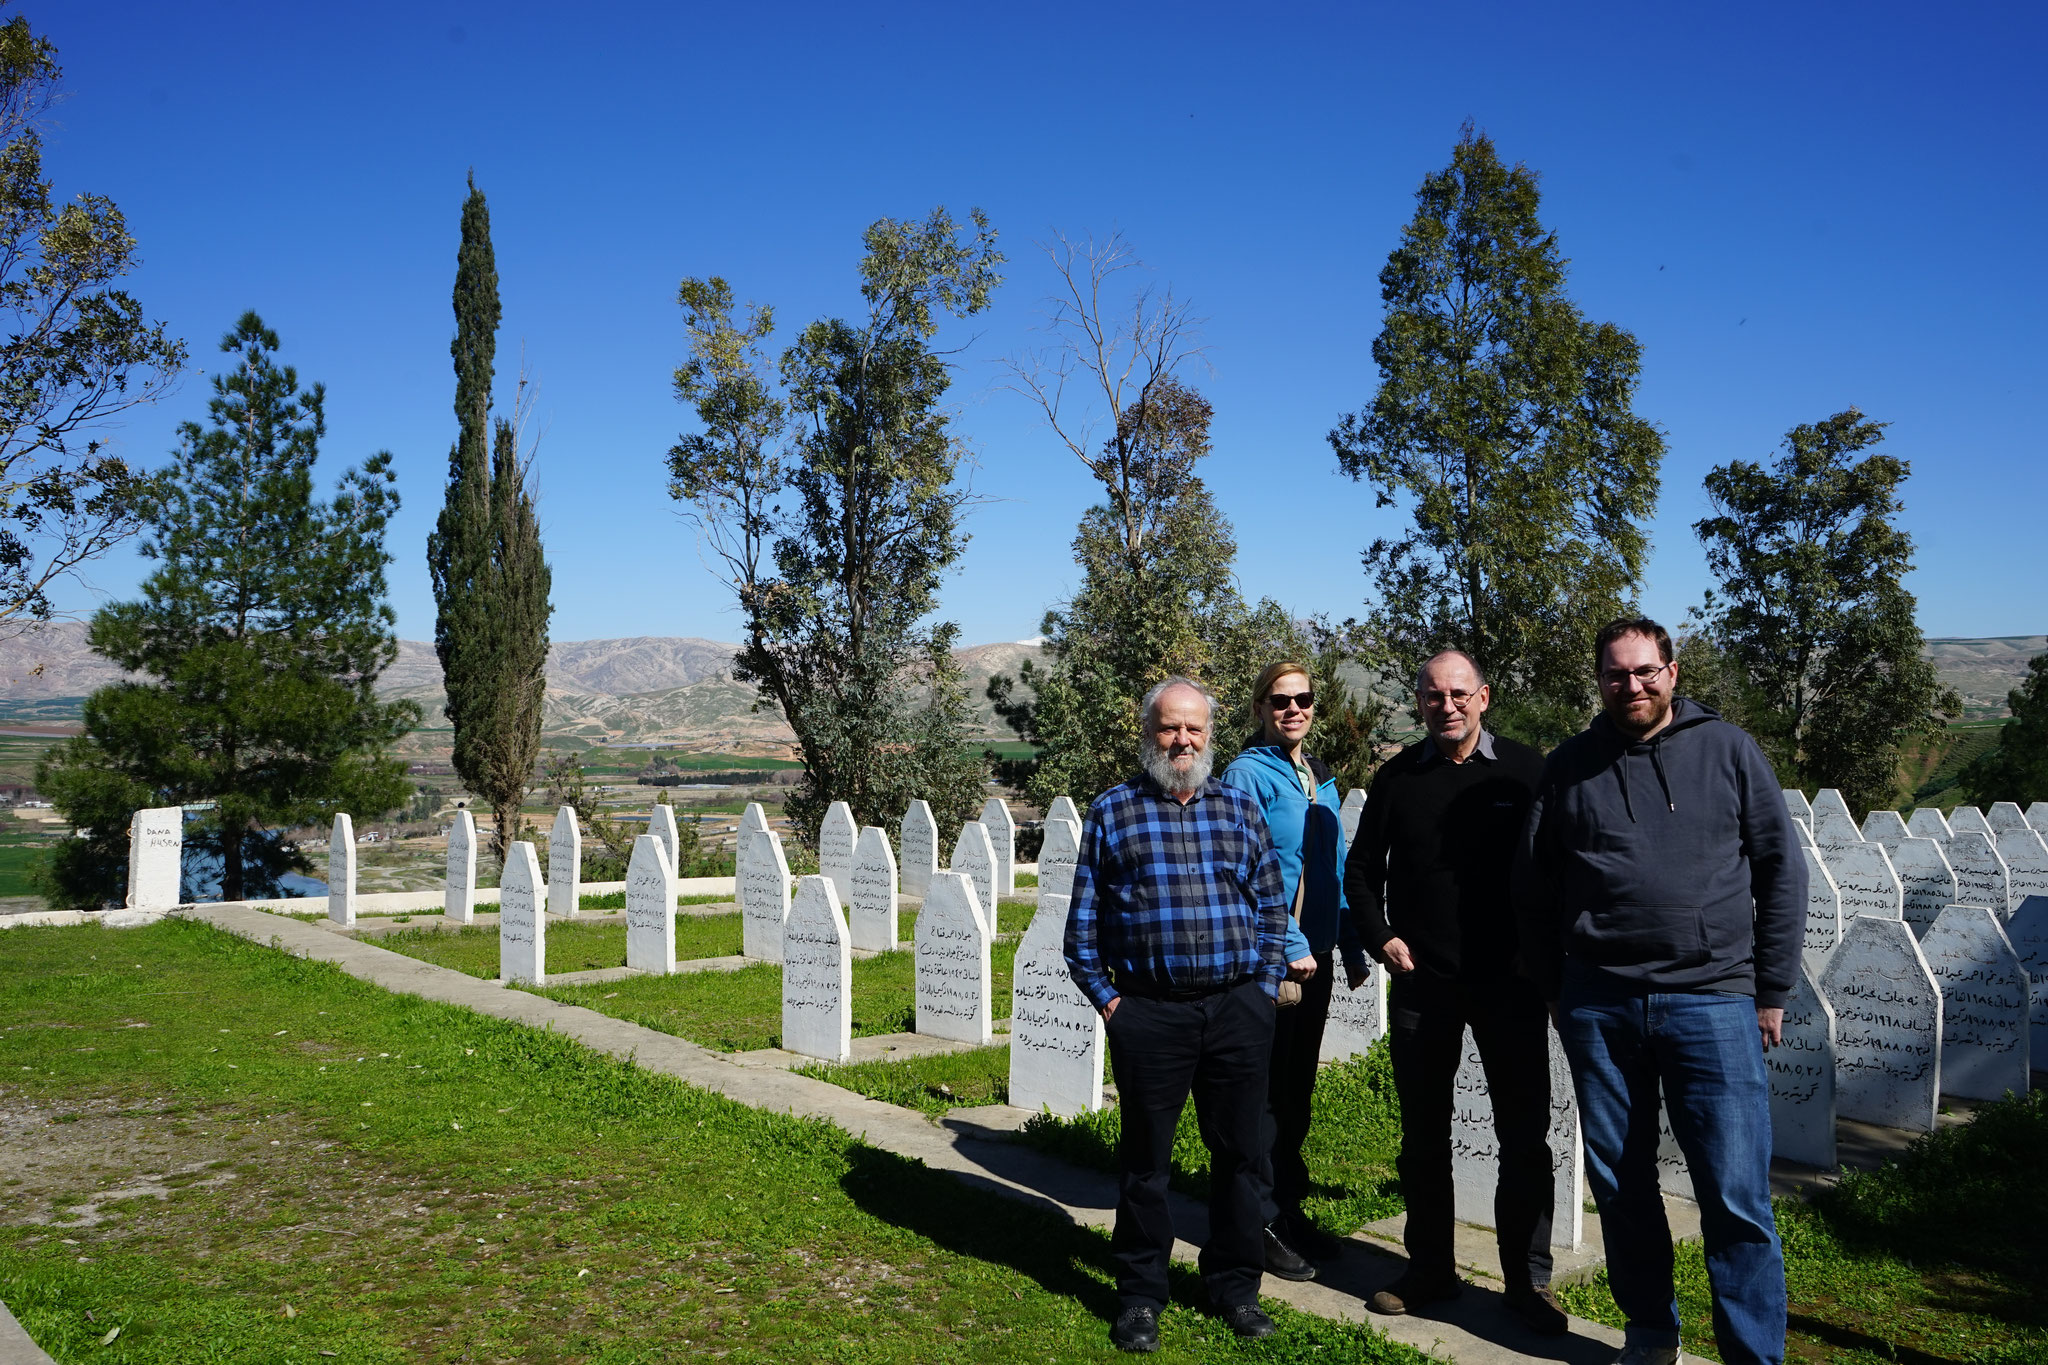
[{"x": 491, "y": 579}]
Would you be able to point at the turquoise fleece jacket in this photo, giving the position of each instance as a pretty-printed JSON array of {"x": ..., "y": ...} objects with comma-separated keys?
[{"x": 1304, "y": 834}]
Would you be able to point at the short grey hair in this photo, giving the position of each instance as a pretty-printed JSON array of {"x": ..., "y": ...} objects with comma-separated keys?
[
  {"x": 1148, "y": 709},
  {"x": 1471, "y": 662}
]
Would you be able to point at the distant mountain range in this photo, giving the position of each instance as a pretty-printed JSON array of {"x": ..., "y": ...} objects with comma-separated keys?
[{"x": 656, "y": 689}]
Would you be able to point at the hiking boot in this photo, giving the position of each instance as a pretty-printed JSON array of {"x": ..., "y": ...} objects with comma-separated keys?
[
  {"x": 1649, "y": 1355},
  {"x": 1136, "y": 1330},
  {"x": 1413, "y": 1291},
  {"x": 1539, "y": 1310},
  {"x": 1284, "y": 1261},
  {"x": 1247, "y": 1320}
]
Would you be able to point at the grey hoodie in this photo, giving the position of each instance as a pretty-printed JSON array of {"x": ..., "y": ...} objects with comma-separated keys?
[{"x": 1662, "y": 865}]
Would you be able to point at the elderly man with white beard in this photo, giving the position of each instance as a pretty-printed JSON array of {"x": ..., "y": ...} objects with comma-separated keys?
[{"x": 1176, "y": 932}]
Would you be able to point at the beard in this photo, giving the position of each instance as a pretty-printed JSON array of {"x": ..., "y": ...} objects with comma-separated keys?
[
  {"x": 1186, "y": 781},
  {"x": 1628, "y": 724}
]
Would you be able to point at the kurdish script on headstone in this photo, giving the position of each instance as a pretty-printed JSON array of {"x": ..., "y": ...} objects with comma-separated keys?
[
  {"x": 951, "y": 943},
  {"x": 1056, "y": 1042},
  {"x": 1887, "y": 1026}
]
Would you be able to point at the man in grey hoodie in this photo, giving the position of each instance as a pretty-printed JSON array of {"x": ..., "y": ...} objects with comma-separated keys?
[{"x": 1661, "y": 895}]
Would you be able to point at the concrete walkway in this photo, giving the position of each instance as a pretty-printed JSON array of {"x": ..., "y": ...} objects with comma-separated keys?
[{"x": 973, "y": 1144}]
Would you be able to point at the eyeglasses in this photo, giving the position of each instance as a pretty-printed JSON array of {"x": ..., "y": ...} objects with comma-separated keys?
[
  {"x": 1619, "y": 677},
  {"x": 1454, "y": 699},
  {"x": 1280, "y": 701}
]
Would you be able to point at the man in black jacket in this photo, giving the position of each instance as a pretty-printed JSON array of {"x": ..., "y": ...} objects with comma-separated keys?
[
  {"x": 1661, "y": 897},
  {"x": 1428, "y": 877}
]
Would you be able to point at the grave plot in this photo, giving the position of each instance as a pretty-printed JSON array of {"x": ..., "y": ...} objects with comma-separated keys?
[
  {"x": 1802, "y": 1078},
  {"x": 1002, "y": 838},
  {"x": 586, "y": 943},
  {"x": 1984, "y": 1004},
  {"x": 1057, "y": 1047},
  {"x": 2026, "y": 863},
  {"x": 565, "y": 864},
  {"x": 837, "y": 834},
  {"x": 920, "y": 848},
  {"x": 522, "y": 919},
  {"x": 1887, "y": 1010},
  {"x": 1980, "y": 872},
  {"x": 458, "y": 898},
  {"x": 1926, "y": 882},
  {"x": 1823, "y": 912},
  {"x": 1865, "y": 880}
]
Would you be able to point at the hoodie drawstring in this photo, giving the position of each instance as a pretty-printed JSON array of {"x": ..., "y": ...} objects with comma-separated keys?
[
  {"x": 1657, "y": 762},
  {"x": 1621, "y": 771}
]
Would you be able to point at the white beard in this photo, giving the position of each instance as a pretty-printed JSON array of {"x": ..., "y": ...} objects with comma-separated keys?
[{"x": 1159, "y": 767}]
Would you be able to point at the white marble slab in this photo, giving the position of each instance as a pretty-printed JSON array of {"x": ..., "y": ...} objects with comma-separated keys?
[
  {"x": 1980, "y": 871},
  {"x": 1984, "y": 1004},
  {"x": 1863, "y": 875},
  {"x": 156, "y": 856},
  {"x": 817, "y": 975},
  {"x": 1928, "y": 823},
  {"x": 1056, "y": 1036},
  {"x": 1357, "y": 1018},
  {"x": 1823, "y": 912},
  {"x": 661, "y": 823},
  {"x": 1002, "y": 839},
  {"x": 2037, "y": 818},
  {"x": 1057, "y": 857},
  {"x": 761, "y": 883},
  {"x": 951, "y": 943},
  {"x": 837, "y": 835},
  {"x": 1063, "y": 808},
  {"x": 1802, "y": 1077},
  {"x": 1927, "y": 885},
  {"x": 871, "y": 918},
  {"x": 1969, "y": 818},
  {"x": 1886, "y": 827},
  {"x": 1475, "y": 1150},
  {"x": 973, "y": 855},
  {"x": 522, "y": 921},
  {"x": 565, "y": 865},
  {"x": 2006, "y": 817},
  {"x": 458, "y": 896},
  {"x": 754, "y": 816},
  {"x": 1887, "y": 1026},
  {"x": 650, "y": 908},
  {"x": 2026, "y": 864},
  {"x": 341, "y": 870},
  {"x": 918, "y": 855},
  {"x": 1348, "y": 813},
  {"x": 2028, "y": 932}
]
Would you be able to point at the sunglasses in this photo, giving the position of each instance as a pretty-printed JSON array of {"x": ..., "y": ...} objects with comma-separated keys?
[{"x": 1280, "y": 701}]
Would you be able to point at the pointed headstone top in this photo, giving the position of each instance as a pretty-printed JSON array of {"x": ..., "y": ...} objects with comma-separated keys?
[{"x": 1063, "y": 808}]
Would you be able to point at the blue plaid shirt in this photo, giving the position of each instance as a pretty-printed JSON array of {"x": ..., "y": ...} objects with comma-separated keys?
[{"x": 1178, "y": 896}]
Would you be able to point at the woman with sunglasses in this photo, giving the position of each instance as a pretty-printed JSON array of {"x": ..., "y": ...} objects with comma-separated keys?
[{"x": 1299, "y": 796}]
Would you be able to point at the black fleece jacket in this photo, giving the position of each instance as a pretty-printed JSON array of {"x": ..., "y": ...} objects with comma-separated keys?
[{"x": 1664, "y": 865}]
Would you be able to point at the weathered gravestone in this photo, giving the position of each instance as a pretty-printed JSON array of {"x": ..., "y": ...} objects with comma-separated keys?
[
  {"x": 2037, "y": 817},
  {"x": 1829, "y": 800},
  {"x": 1802, "y": 1078},
  {"x": 871, "y": 918},
  {"x": 565, "y": 865},
  {"x": 1475, "y": 1151},
  {"x": 1984, "y": 1004},
  {"x": 837, "y": 835},
  {"x": 1980, "y": 872},
  {"x": 2005, "y": 817},
  {"x": 1062, "y": 808},
  {"x": 522, "y": 923},
  {"x": 1887, "y": 1026},
  {"x": 1673, "y": 1175},
  {"x": 920, "y": 849},
  {"x": 1056, "y": 1042},
  {"x": 1823, "y": 912},
  {"x": 973, "y": 855},
  {"x": 1803, "y": 835},
  {"x": 817, "y": 975},
  {"x": 1357, "y": 1018},
  {"x": 341, "y": 870},
  {"x": 755, "y": 816},
  {"x": 1057, "y": 857},
  {"x": 661, "y": 823},
  {"x": 1798, "y": 807},
  {"x": 1886, "y": 827},
  {"x": 951, "y": 945},
  {"x": 1832, "y": 827},
  {"x": 1348, "y": 813},
  {"x": 650, "y": 908},
  {"x": 1002, "y": 839},
  {"x": 1928, "y": 823},
  {"x": 2026, "y": 864},
  {"x": 458, "y": 897},
  {"x": 1969, "y": 818},
  {"x": 156, "y": 856},
  {"x": 761, "y": 883},
  {"x": 1927, "y": 886},
  {"x": 1863, "y": 875},
  {"x": 2028, "y": 930}
]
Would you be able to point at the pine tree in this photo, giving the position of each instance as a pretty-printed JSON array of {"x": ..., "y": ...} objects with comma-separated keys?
[
  {"x": 260, "y": 639},
  {"x": 491, "y": 579},
  {"x": 2017, "y": 770}
]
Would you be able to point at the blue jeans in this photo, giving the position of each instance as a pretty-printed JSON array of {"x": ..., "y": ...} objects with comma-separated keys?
[{"x": 1708, "y": 1055}]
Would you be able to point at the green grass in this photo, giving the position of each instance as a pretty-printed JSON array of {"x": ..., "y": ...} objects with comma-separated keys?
[
  {"x": 573, "y": 945},
  {"x": 18, "y": 865},
  {"x": 371, "y": 1177},
  {"x": 1939, "y": 1256},
  {"x": 1350, "y": 1150},
  {"x": 931, "y": 1085}
]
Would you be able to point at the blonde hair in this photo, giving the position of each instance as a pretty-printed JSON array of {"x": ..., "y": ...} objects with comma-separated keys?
[{"x": 1273, "y": 673}]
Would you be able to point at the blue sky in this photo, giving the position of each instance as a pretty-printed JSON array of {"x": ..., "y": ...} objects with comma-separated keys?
[{"x": 1795, "y": 208}]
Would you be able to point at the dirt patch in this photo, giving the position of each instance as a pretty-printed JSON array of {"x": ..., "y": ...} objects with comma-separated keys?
[{"x": 63, "y": 1163}]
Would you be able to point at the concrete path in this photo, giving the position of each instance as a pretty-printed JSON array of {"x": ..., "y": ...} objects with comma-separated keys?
[{"x": 972, "y": 1144}]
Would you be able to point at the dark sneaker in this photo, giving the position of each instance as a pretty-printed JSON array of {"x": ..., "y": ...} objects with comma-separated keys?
[
  {"x": 1284, "y": 1261},
  {"x": 1299, "y": 1231},
  {"x": 1539, "y": 1310},
  {"x": 1137, "y": 1329},
  {"x": 1247, "y": 1321},
  {"x": 1411, "y": 1292}
]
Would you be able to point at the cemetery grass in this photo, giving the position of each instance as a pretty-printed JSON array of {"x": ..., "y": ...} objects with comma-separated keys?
[
  {"x": 573, "y": 945},
  {"x": 219, "y": 1152},
  {"x": 931, "y": 1085},
  {"x": 1941, "y": 1256}
]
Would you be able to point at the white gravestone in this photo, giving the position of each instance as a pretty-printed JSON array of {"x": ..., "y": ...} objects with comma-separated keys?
[
  {"x": 1802, "y": 1076},
  {"x": 755, "y": 816},
  {"x": 1886, "y": 827},
  {"x": 1833, "y": 828},
  {"x": 2037, "y": 817},
  {"x": 762, "y": 886},
  {"x": 836, "y": 836},
  {"x": 2028, "y": 931},
  {"x": 661, "y": 823},
  {"x": 1475, "y": 1150},
  {"x": 156, "y": 855},
  {"x": 1980, "y": 872},
  {"x": 341, "y": 870},
  {"x": 920, "y": 849},
  {"x": 1927, "y": 886},
  {"x": 817, "y": 975},
  {"x": 1002, "y": 838},
  {"x": 458, "y": 899},
  {"x": 1062, "y": 808},
  {"x": 1983, "y": 1004},
  {"x": 2005, "y": 817},
  {"x": 973, "y": 855},
  {"x": 1887, "y": 1026},
  {"x": 952, "y": 950},
  {"x": 650, "y": 909},
  {"x": 1348, "y": 813},
  {"x": 1673, "y": 1175},
  {"x": 1357, "y": 1018},
  {"x": 522, "y": 924},
  {"x": 1056, "y": 1043},
  {"x": 2026, "y": 864},
  {"x": 1804, "y": 834},
  {"x": 565, "y": 865},
  {"x": 1864, "y": 876},
  {"x": 1823, "y": 912},
  {"x": 1798, "y": 807},
  {"x": 1057, "y": 858},
  {"x": 1829, "y": 800},
  {"x": 871, "y": 918},
  {"x": 1969, "y": 818},
  {"x": 1928, "y": 823}
]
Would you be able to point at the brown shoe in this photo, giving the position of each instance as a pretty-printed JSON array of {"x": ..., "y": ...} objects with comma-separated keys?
[
  {"x": 1411, "y": 1292},
  {"x": 1539, "y": 1310}
]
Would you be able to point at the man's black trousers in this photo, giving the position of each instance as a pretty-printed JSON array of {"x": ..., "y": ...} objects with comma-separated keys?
[
  {"x": 1511, "y": 1027},
  {"x": 1160, "y": 1051},
  {"x": 1290, "y": 1085}
]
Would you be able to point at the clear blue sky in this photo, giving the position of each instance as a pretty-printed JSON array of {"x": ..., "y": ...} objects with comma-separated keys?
[{"x": 1795, "y": 208}]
